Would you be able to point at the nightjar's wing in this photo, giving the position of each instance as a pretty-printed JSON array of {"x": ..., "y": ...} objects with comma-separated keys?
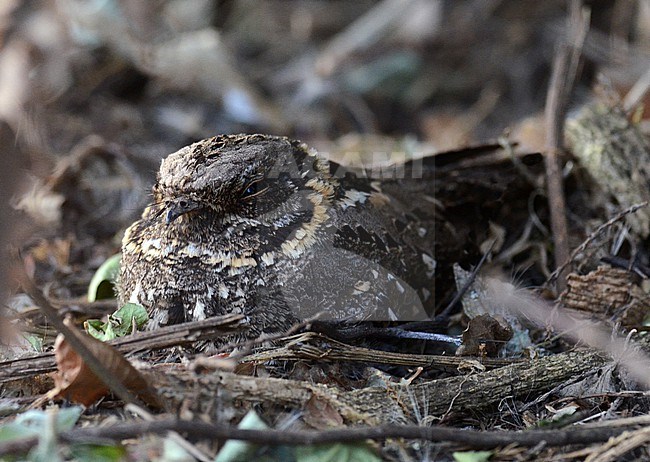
[
  {"x": 343, "y": 285},
  {"x": 408, "y": 218},
  {"x": 378, "y": 255}
]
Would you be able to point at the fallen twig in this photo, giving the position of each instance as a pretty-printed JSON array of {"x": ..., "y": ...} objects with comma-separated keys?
[
  {"x": 471, "y": 438},
  {"x": 565, "y": 67},
  {"x": 163, "y": 337},
  {"x": 317, "y": 347}
]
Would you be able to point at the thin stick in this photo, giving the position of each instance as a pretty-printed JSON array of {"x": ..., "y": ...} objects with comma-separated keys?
[
  {"x": 163, "y": 337},
  {"x": 593, "y": 236},
  {"x": 473, "y": 438},
  {"x": 244, "y": 348},
  {"x": 463, "y": 290},
  {"x": 564, "y": 71}
]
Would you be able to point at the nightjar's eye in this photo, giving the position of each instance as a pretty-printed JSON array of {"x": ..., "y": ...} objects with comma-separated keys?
[{"x": 253, "y": 189}]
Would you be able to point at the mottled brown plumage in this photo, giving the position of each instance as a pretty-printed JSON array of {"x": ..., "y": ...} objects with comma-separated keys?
[{"x": 263, "y": 226}]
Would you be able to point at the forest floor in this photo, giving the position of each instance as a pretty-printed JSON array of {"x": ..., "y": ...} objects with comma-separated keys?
[{"x": 534, "y": 114}]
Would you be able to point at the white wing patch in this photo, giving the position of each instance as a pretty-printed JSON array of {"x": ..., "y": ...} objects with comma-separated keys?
[{"x": 352, "y": 197}]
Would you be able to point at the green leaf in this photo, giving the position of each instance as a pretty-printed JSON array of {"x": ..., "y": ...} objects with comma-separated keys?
[
  {"x": 129, "y": 315},
  {"x": 472, "y": 456},
  {"x": 13, "y": 431},
  {"x": 44, "y": 425},
  {"x": 35, "y": 342},
  {"x": 98, "y": 453},
  {"x": 348, "y": 452},
  {"x": 100, "y": 330},
  {"x": 173, "y": 452},
  {"x": 64, "y": 418},
  {"x": 237, "y": 450},
  {"x": 102, "y": 284},
  {"x": 96, "y": 328},
  {"x": 119, "y": 323}
]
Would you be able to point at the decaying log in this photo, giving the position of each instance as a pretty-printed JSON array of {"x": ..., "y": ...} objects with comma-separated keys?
[
  {"x": 609, "y": 294},
  {"x": 617, "y": 156},
  {"x": 194, "y": 394}
]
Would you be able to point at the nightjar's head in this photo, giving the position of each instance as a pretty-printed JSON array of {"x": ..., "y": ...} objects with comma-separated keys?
[{"x": 244, "y": 176}]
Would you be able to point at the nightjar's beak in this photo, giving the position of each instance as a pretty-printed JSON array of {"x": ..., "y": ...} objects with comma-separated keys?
[{"x": 179, "y": 207}]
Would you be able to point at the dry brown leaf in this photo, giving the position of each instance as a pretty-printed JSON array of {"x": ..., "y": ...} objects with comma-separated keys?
[
  {"x": 320, "y": 414},
  {"x": 484, "y": 336},
  {"x": 76, "y": 382}
]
